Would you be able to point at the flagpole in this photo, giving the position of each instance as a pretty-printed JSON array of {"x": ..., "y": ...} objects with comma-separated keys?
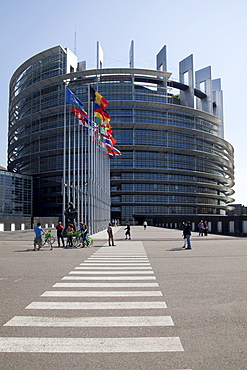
[
  {"x": 78, "y": 174},
  {"x": 69, "y": 162},
  {"x": 93, "y": 169},
  {"x": 64, "y": 154},
  {"x": 89, "y": 165},
  {"x": 73, "y": 187},
  {"x": 82, "y": 197},
  {"x": 85, "y": 182}
]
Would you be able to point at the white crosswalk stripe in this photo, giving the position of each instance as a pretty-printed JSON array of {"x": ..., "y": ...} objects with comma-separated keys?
[
  {"x": 109, "y": 278},
  {"x": 111, "y": 258},
  {"x": 121, "y": 270},
  {"x": 91, "y": 321},
  {"x": 91, "y": 345},
  {"x": 115, "y": 264},
  {"x": 111, "y": 273},
  {"x": 107, "y": 293},
  {"x": 95, "y": 305},
  {"x": 105, "y": 285},
  {"x": 102, "y": 268}
]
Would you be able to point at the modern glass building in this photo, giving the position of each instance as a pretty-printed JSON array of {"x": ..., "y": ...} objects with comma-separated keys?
[
  {"x": 175, "y": 161},
  {"x": 15, "y": 194}
]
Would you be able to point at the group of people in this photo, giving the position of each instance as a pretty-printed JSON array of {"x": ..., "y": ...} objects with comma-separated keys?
[
  {"x": 110, "y": 233},
  {"x": 115, "y": 222},
  {"x": 70, "y": 230},
  {"x": 203, "y": 228},
  {"x": 60, "y": 234}
]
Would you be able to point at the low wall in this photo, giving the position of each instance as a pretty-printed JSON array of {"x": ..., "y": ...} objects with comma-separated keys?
[
  {"x": 10, "y": 223},
  {"x": 226, "y": 225}
]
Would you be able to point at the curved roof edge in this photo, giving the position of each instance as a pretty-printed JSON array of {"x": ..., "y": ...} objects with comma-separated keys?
[{"x": 35, "y": 58}]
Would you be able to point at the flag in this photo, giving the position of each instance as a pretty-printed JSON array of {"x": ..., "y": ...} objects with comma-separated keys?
[
  {"x": 77, "y": 107},
  {"x": 112, "y": 152},
  {"x": 99, "y": 100}
]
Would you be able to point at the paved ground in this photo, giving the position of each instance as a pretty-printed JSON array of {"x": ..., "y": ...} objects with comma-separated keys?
[{"x": 144, "y": 304}]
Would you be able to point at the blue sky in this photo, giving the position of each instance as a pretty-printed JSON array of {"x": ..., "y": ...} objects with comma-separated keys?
[{"x": 213, "y": 31}]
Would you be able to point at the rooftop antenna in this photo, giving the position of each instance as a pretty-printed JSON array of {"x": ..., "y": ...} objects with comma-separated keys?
[{"x": 75, "y": 42}]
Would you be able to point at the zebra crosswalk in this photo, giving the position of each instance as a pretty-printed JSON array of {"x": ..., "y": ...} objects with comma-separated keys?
[{"x": 114, "y": 288}]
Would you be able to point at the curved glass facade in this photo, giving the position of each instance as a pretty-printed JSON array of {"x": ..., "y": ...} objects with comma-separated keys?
[{"x": 174, "y": 159}]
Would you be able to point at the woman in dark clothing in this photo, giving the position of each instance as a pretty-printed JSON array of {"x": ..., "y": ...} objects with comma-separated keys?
[
  {"x": 127, "y": 233},
  {"x": 187, "y": 234}
]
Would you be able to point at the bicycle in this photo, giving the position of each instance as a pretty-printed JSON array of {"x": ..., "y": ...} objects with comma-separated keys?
[
  {"x": 79, "y": 242},
  {"x": 48, "y": 239},
  {"x": 90, "y": 241}
]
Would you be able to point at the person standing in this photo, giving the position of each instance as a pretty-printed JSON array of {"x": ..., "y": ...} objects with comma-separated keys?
[
  {"x": 70, "y": 230},
  {"x": 205, "y": 228},
  {"x": 84, "y": 232},
  {"x": 60, "y": 229},
  {"x": 184, "y": 236},
  {"x": 38, "y": 236},
  {"x": 187, "y": 234},
  {"x": 110, "y": 235},
  {"x": 145, "y": 225},
  {"x": 200, "y": 227},
  {"x": 127, "y": 232}
]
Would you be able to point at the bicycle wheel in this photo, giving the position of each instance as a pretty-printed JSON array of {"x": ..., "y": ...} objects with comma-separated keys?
[
  {"x": 77, "y": 243},
  {"x": 52, "y": 240},
  {"x": 49, "y": 242},
  {"x": 89, "y": 242},
  {"x": 44, "y": 240}
]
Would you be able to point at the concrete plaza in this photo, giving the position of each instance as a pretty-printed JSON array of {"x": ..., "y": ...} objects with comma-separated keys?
[{"x": 148, "y": 303}]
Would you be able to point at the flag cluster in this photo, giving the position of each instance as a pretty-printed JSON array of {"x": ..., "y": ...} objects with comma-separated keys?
[
  {"x": 100, "y": 127},
  {"x": 102, "y": 120}
]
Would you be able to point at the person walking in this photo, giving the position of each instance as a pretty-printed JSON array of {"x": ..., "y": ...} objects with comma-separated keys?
[
  {"x": 187, "y": 233},
  {"x": 38, "y": 236},
  {"x": 110, "y": 235},
  {"x": 127, "y": 232},
  {"x": 145, "y": 225},
  {"x": 60, "y": 229}
]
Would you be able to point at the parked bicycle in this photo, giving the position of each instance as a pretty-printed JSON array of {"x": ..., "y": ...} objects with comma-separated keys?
[{"x": 48, "y": 240}]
